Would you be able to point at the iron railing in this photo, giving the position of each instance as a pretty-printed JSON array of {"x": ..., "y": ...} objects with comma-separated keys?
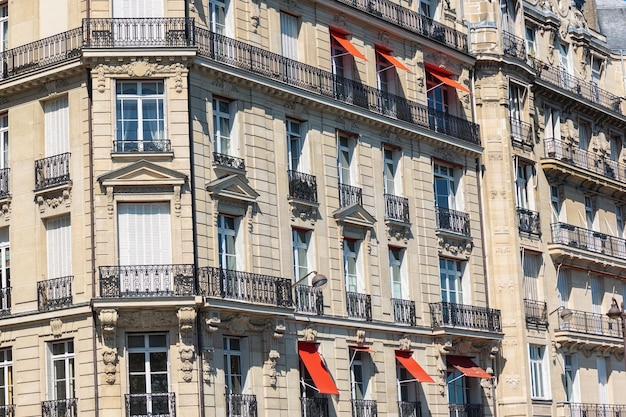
[
  {"x": 589, "y": 240},
  {"x": 359, "y": 306},
  {"x": 167, "y": 32},
  {"x": 153, "y": 145},
  {"x": 151, "y": 405},
  {"x": 309, "y": 300},
  {"x": 409, "y": 409},
  {"x": 521, "y": 133},
  {"x": 412, "y": 21},
  {"x": 147, "y": 280},
  {"x": 302, "y": 186},
  {"x": 52, "y": 171},
  {"x": 228, "y": 161},
  {"x": 513, "y": 46},
  {"x": 54, "y": 293},
  {"x": 349, "y": 195},
  {"x": 446, "y": 314},
  {"x": 241, "y": 405},
  {"x": 311, "y": 78},
  {"x": 536, "y": 312},
  {"x": 364, "y": 408},
  {"x": 245, "y": 286},
  {"x": 452, "y": 221},
  {"x": 403, "y": 311},
  {"x": 59, "y": 408},
  {"x": 465, "y": 410},
  {"x": 529, "y": 221},
  {"x": 396, "y": 208},
  {"x": 314, "y": 406},
  {"x": 7, "y": 410},
  {"x": 4, "y": 182},
  {"x": 594, "y": 410},
  {"x": 5, "y": 304},
  {"x": 591, "y": 324},
  {"x": 581, "y": 158}
]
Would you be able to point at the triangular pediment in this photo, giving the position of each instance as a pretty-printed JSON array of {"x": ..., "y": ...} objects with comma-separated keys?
[
  {"x": 142, "y": 173},
  {"x": 356, "y": 215},
  {"x": 232, "y": 186}
]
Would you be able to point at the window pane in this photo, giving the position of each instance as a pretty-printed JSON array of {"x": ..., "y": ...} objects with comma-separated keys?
[
  {"x": 158, "y": 361},
  {"x": 136, "y": 341},
  {"x": 137, "y": 384},
  {"x": 136, "y": 362},
  {"x": 158, "y": 340},
  {"x": 159, "y": 383}
]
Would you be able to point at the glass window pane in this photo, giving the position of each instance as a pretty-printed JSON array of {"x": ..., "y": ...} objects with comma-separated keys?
[
  {"x": 158, "y": 340},
  {"x": 137, "y": 384},
  {"x": 136, "y": 362},
  {"x": 136, "y": 341},
  {"x": 158, "y": 383},
  {"x": 158, "y": 361}
]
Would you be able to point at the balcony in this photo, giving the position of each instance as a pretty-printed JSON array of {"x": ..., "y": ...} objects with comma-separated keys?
[
  {"x": 452, "y": 221},
  {"x": 4, "y": 182},
  {"x": 142, "y": 146},
  {"x": 513, "y": 46},
  {"x": 8, "y": 410},
  {"x": 54, "y": 293},
  {"x": 364, "y": 408},
  {"x": 314, "y": 407},
  {"x": 536, "y": 312},
  {"x": 359, "y": 306},
  {"x": 151, "y": 405},
  {"x": 245, "y": 286},
  {"x": 446, "y": 314},
  {"x": 349, "y": 195},
  {"x": 593, "y": 410},
  {"x": 241, "y": 405},
  {"x": 147, "y": 281},
  {"x": 409, "y": 409},
  {"x": 594, "y": 324},
  {"x": 403, "y": 311},
  {"x": 153, "y": 32},
  {"x": 465, "y": 410},
  {"x": 5, "y": 305},
  {"x": 309, "y": 300},
  {"x": 528, "y": 221},
  {"x": 58, "y": 408},
  {"x": 229, "y": 162},
  {"x": 521, "y": 134},
  {"x": 588, "y": 240},
  {"x": 52, "y": 171},
  {"x": 302, "y": 186},
  {"x": 396, "y": 208}
]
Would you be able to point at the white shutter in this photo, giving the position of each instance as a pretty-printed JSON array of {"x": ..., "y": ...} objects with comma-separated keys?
[
  {"x": 138, "y": 8},
  {"x": 596, "y": 294},
  {"x": 531, "y": 274},
  {"x": 562, "y": 286},
  {"x": 144, "y": 234},
  {"x": 59, "y": 246},
  {"x": 602, "y": 381},
  {"x": 289, "y": 35},
  {"x": 57, "y": 126}
]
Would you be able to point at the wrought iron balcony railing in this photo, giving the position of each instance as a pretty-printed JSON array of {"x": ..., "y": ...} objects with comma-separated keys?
[
  {"x": 591, "y": 324},
  {"x": 513, "y": 46},
  {"x": 151, "y": 405},
  {"x": 581, "y": 158},
  {"x": 536, "y": 312},
  {"x": 359, "y": 306},
  {"x": 521, "y": 133},
  {"x": 8, "y": 410},
  {"x": 54, "y": 293},
  {"x": 302, "y": 186},
  {"x": 4, "y": 182},
  {"x": 227, "y": 161},
  {"x": 529, "y": 221},
  {"x": 311, "y": 78},
  {"x": 5, "y": 303},
  {"x": 589, "y": 240},
  {"x": 589, "y": 91},
  {"x": 364, "y": 408},
  {"x": 154, "y": 145},
  {"x": 396, "y": 208},
  {"x": 147, "y": 281},
  {"x": 241, "y": 405},
  {"x": 59, "y": 408},
  {"x": 166, "y": 32},
  {"x": 465, "y": 410},
  {"x": 409, "y": 409},
  {"x": 245, "y": 286},
  {"x": 309, "y": 300},
  {"x": 314, "y": 407},
  {"x": 594, "y": 410},
  {"x": 446, "y": 314},
  {"x": 349, "y": 195},
  {"x": 452, "y": 221},
  {"x": 52, "y": 171},
  {"x": 412, "y": 21},
  {"x": 403, "y": 311}
]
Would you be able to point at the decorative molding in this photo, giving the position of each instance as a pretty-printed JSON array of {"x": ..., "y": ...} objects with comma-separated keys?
[
  {"x": 404, "y": 343},
  {"x": 186, "y": 350},
  {"x": 5, "y": 208},
  {"x": 360, "y": 336},
  {"x": 398, "y": 233},
  {"x": 303, "y": 213},
  {"x": 147, "y": 319},
  {"x": 242, "y": 324},
  {"x": 279, "y": 329},
  {"x": 309, "y": 333},
  {"x": 448, "y": 154},
  {"x": 455, "y": 248},
  {"x": 207, "y": 369},
  {"x": 55, "y": 201},
  {"x": 270, "y": 367},
  {"x": 108, "y": 326},
  {"x": 140, "y": 69},
  {"x": 513, "y": 381},
  {"x": 56, "y": 328}
]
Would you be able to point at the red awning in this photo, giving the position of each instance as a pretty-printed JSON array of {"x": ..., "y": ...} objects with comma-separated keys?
[
  {"x": 467, "y": 367},
  {"x": 406, "y": 359},
  {"x": 347, "y": 45},
  {"x": 444, "y": 76},
  {"x": 315, "y": 365},
  {"x": 392, "y": 59},
  {"x": 362, "y": 349}
]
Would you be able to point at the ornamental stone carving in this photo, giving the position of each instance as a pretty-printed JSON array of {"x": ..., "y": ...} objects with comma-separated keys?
[
  {"x": 270, "y": 367},
  {"x": 56, "y": 328},
  {"x": 309, "y": 333},
  {"x": 108, "y": 326},
  {"x": 404, "y": 343},
  {"x": 147, "y": 320},
  {"x": 56, "y": 201},
  {"x": 140, "y": 69},
  {"x": 186, "y": 350}
]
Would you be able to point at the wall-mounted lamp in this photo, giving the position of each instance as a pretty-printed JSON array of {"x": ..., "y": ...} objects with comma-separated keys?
[
  {"x": 566, "y": 314},
  {"x": 317, "y": 281}
]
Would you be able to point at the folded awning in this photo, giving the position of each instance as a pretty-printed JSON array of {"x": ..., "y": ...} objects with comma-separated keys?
[
  {"x": 362, "y": 349},
  {"x": 347, "y": 45},
  {"x": 444, "y": 77},
  {"x": 467, "y": 367},
  {"x": 317, "y": 369},
  {"x": 392, "y": 59},
  {"x": 406, "y": 359}
]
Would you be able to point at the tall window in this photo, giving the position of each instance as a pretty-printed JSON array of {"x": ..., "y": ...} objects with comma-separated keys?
[
  {"x": 222, "y": 127},
  {"x": 531, "y": 42},
  {"x": 517, "y": 95},
  {"x": 358, "y": 383},
  {"x": 5, "y": 270},
  {"x": 563, "y": 287},
  {"x": 524, "y": 185},
  {"x": 350, "y": 264},
  {"x": 595, "y": 64},
  {"x": 437, "y": 94},
  {"x": 616, "y": 144},
  {"x": 148, "y": 374},
  {"x": 138, "y": 8},
  {"x": 4, "y": 141},
  {"x": 531, "y": 265},
  {"x": 295, "y": 145},
  {"x": 539, "y": 382},
  {"x": 619, "y": 220},
  {"x": 445, "y": 186},
  {"x": 59, "y": 246},
  {"x": 218, "y": 10},
  {"x": 6, "y": 378},
  {"x": 227, "y": 239},
  {"x": 458, "y": 389},
  {"x": 61, "y": 370},
  {"x": 565, "y": 59},
  {"x": 56, "y": 118},
  {"x": 584, "y": 135},
  {"x": 345, "y": 156},
  {"x": 390, "y": 168},
  {"x": 395, "y": 272},
  {"x": 570, "y": 371},
  {"x": 451, "y": 274},
  {"x": 590, "y": 213},
  {"x": 596, "y": 294},
  {"x": 4, "y": 27},
  {"x": 552, "y": 121},
  {"x": 144, "y": 233},
  {"x": 289, "y": 35},
  {"x": 300, "y": 252},
  {"x": 603, "y": 380},
  {"x": 233, "y": 372},
  {"x": 140, "y": 114},
  {"x": 558, "y": 215}
]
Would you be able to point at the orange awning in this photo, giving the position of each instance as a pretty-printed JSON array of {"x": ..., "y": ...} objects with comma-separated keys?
[
  {"x": 467, "y": 367},
  {"x": 392, "y": 60},
  {"x": 362, "y": 349},
  {"x": 406, "y": 359},
  {"x": 347, "y": 45},
  {"x": 315, "y": 365},
  {"x": 450, "y": 82}
]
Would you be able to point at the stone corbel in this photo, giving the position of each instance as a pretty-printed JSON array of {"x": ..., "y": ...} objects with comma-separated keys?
[
  {"x": 108, "y": 326},
  {"x": 309, "y": 333},
  {"x": 110, "y": 201},
  {"x": 404, "y": 343},
  {"x": 270, "y": 367},
  {"x": 56, "y": 328},
  {"x": 279, "y": 329},
  {"x": 186, "y": 325},
  {"x": 177, "y": 194}
]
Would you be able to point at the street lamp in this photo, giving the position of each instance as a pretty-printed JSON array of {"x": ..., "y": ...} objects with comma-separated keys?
[
  {"x": 566, "y": 314},
  {"x": 317, "y": 281},
  {"x": 614, "y": 313}
]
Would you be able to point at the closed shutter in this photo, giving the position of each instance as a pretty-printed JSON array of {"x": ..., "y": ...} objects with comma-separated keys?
[
  {"x": 57, "y": 126},
  {"x": 562, "y": 286},
  {"x": 59, "y": 245},
  {"x": 596, "y": 294},
  {"x": 289, "y": 35},
  {"x": 603, "y": 390},
  {"x": 532, "y": 264},
  {"x": 138, "y": 8},
  {"x": 144, "y": 234}
]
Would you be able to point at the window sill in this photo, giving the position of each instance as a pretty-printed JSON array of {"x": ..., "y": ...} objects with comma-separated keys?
[{"x": 134, "y": 156}]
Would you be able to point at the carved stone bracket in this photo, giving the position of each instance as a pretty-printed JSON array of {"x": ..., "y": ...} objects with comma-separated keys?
[
  {"x": 5, "y": 208},
  {"x": 56, "y": 328},
  {"x": 309, "y": 333},
  {"x": 455, "y": 247},
  {"x": 270, "y": 367},
  {"x": 186, "y": 325},
  {"x": 404, "y": 343},
  {"x": 303, "y": 213},
  {"x": 140, "y": 69},
  {"x": 108, "y": 327},
  {"x": 51, "y": 203},
  {"x": 398, "y": 233}
]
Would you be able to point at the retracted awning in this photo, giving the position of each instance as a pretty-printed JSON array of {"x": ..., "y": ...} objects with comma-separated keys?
[
  {"x": 347, "y": 45},
  {"x": 467, "y": 367},
  {"x": 444, "y": 77},
  {"x": 317, "y": 369},
  {"x": 392, "y": 60},
  {"x": 406, "y": 359},
  {"x": 362, "y": 349}
]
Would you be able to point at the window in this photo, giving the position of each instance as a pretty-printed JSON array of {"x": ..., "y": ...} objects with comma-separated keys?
[
  {"x": 619, "y": 221},
  {"x": 531, "y": 264},
  {"x": 345, "y": 156},
  {"x": 596, "y": 296},
  {"x": 603, "y": 380},
  {"x": 562, "y": 287},
  {"x": 570, "y": 371},
  {"x": 351, "y": 264},
  {"x": 590, "y": 213},
  {"x": 295, "y": 145},
  {"x": 140, "y": 113},
  {"x": 233, "y": 371},
  {"x": 4, "y": 141},
  {"x": 148, "y": 374},
  {"x": 56, "y": 119},
  {"x": 398, "y": 289},
  {"x": 539, "y": 382},
  {"x": 138, "y": 8},
  {"x": 4, "y": 27},
  {"x": 552, "y": 129},
  {"x": 218, "y": 12},
  {"x": 517, "y": 96},
  {"x": 507, "y": 13},
  {"x": 390, "y": 168},
  {"x": 6, "y": 381},
  {"x": 458, "y": 389},
  {"x": 595, "y": 63},
  {"x": 223, "y": 127},
  {"x": 437, "y": 94},
  {"x": 584, "y": 137},
  {"x": 616, "y": 143},
  {"x": 531, "y": 42},
  {"x": 59, "y": 239},
  {"x": 300, "y": 252},
  {"x": 144, "y": 233},
  {"x": 558, "y": 215},
  {"x": 424, "y": 8},
  {"x": 289, "y": 35},
  {"x": 451, "y": 274},
  {"x": 227, "y": 227},
  {"x": 358, "y": 383},
  {"x": 5, "y": 270},
  {"x": 61, "y": 372},
  {"x": 565, "y": 60},
  {"x": 445, "y": 186},
  {"x": 524, "y": 185}
]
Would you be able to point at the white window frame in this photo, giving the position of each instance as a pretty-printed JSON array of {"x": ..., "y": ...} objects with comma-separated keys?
[
  {"x": 59, "y": 246},
  {"x": 4, "y": 140},
  {"x": 563, "y": 287},
  {"x": 224, "y": 144},
  {"x": 445, "y": 175},
  {"x": 552, "y": 126},
  {"x": 399, "y": 287},
  {"x": 425, "y": 8},
  {"x": 67, "y": 380},
  {"x": 391, "y": 169},
  {"x": 531, "y": 267},
  {"x": 451, "y": 280},
  {"x": 6, "y": 372},
  {"x": 619, "y": 220},
  {"x": 346, "y": 150},
  {"x": 539, "y": 373},
  {"x": 57, "y": 132},
  {"x": 525, "y": 185},
  {"x": 4, "y": 27},
  {"x": 458, "y": 388},
  {"x": 301, "y": 240},
  {"x": 602, "y": 364},
  {"x": 148, "y": 350},
  {"x": 220, "y": 17},
  {"x": 123, "y": 136},
  {"x": 571, "y": 382},
  {"x": 228, "y": 256},
  {"x": 556, "y": 205},
  {"x": 438, "y": 94},
  {"x": 531, "y": 42},
  {"x": 138, "y": 8},
  {"x": 358, "y": 376},
  {"x": 590, "y": 213},
  {"x": 5, "y": 270},
  {"x": 353, "y": 276},
  {"x": 295, "y": 145},
  {"x": 289, "y": 28},
  {"x": 233, "y": 355}
]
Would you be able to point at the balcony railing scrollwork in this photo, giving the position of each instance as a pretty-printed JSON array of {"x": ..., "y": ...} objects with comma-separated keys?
[
  {"x": 9, "y": 410},
  {"x": 446, "y": 314},
  {"x": 588, "y": 240},
  {"x": 302, "y": 186},
  {"x": 396, "y": 208},
  {"x": 536, "y": 312},
  {"x": 594, "y": 410},
  {"x": 359, "y": 305},
  {"x": 521, "y": 133},
  {"x": 4, "y": 182},
  {"x": 465, "y": 410},
  {"x": 168, "y": 32},
  {"x": 591, "y": 324},
  {"x": 364, "y": 408},
  {"x": 5, "y": 303},
  {"x": 403, "y": 311},
  {"x": 349, "y": 195},
  {"x": 409, "y": 409},
  {"x": 241, "y": 405},
  {"x": 54, "y": 293},
  {"x": 528, "y": 221},
  {"x": 52, "y": 171},
  {"x": 452, "y": 221},
  {"x": 152, "y": 145},
  {"x": 309, "y": 300},
  {"x": 147, "y": 280},
  {"x": 513, "y": 46},
  {"x": 151, "y": 405},
  {"x": 314, "y": 406},
  {"x": 228, "y": 161},
  {"x": 58, "y": 408}
]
